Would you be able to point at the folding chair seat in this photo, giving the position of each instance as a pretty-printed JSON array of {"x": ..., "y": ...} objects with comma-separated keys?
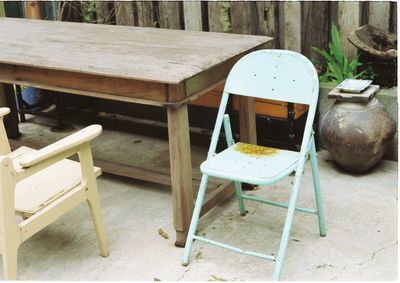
[
  {"x": 251, "y": 164},
  {"x": 267, "y": 74},
  {"x": 41, "y": 185}
]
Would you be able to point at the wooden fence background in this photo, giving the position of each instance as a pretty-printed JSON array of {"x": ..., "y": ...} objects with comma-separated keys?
[{"x": 294, "y": 25}]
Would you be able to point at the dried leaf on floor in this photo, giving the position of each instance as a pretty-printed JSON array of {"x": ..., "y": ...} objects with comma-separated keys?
[
  {"x": 162, "y": 233},
  {"x": 215, "y": 278}
]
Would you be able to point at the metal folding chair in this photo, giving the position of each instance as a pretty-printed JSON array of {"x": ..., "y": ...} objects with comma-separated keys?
[{"x": 272, "y": 74}]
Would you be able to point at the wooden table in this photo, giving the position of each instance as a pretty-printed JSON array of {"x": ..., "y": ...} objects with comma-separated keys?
[{"x": 161, "y": 67}]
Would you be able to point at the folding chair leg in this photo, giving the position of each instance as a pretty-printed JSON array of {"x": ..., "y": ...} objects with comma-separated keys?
[
  {"x": 195, "y": 219},
  {"x": 238, "y": 190},
  {"x": 95, "y": 211},
  {"x": 317, "y": 190},
  {"x": 288, "y": 226},
  {"x": 229, "y": 142}
]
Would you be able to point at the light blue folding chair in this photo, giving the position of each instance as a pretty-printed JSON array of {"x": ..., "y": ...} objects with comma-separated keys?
[{"x": 272, "y": 74}]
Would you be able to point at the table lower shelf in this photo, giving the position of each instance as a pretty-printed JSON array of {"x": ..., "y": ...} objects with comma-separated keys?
[{"x": 217, "y": 191}]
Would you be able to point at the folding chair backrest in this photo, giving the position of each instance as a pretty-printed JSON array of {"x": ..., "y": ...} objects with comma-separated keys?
[{"x": 274, "y": 74}]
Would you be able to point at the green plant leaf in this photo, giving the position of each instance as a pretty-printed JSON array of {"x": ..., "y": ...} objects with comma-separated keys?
[
  {"x": 361, "y": 74},
  {"x": 338, "y": 66},
  {"x": 324, "y": 54},
  {"x": 336, "y": 71},
  {"x": 324, "y": 78},
  {"x": 336, "y": 41},
  {"x": 335, "y": 47}
]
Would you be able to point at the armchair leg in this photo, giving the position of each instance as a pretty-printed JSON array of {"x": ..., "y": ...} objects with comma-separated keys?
[
  {"x": 317, "y": 190},
  {"x": 195, "y": 219},
  {"x": 95, "y": 211},
  {"x": 10, "y": 255},
  {"x": 10, "y": 238},
  {"x": 92, "y": 197}
]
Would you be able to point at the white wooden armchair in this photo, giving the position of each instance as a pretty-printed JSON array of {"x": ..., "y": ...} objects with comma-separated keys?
[{"x": 41, "y": 185}]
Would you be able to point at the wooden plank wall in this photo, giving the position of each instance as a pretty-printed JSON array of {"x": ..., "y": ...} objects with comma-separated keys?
[
  {"x": 348, "y": 19},
  {"x": 315, "y": 26},
  {"x": 193, "y": 12},
  {"x": 2, "y": 11},
  {"x": 170, "y": 15},
  {"x": 295, "y": 25},
  {"x": 144, "y": 14},
  {"x": 124, "y": 13},
  {"x": 379, "y": 14},
  {"x": 105, "y": 12}
]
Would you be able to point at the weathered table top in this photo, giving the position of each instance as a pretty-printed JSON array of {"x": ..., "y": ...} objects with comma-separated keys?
[{"x": 148, "y": 54}]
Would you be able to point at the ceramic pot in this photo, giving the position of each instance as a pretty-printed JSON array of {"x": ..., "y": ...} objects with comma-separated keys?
[{"x": 357, "y": 134}]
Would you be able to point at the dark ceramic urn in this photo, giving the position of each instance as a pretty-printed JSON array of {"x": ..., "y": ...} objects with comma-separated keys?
[{"x": 357, "y": 134}]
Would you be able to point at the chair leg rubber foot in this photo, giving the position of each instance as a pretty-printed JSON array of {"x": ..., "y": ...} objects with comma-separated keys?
[
  {"x": 185, "y": 263},
  {"x": 323, "y": 235},
  {"x": 243, "y": 213}
]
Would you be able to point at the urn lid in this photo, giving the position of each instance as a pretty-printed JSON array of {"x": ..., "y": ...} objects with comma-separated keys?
[{"x": 354, "y": 91}]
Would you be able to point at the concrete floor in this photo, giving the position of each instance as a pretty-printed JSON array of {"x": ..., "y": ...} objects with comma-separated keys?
[{"x": 361, "y": 218}]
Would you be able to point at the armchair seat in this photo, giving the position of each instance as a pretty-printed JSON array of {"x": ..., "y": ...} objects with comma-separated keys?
[
  {"x": 252, "y": 164},
  {"x": 39, "y": 190}
]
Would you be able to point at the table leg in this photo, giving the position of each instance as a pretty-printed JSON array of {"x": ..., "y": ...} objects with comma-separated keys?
[
  {"x": 7, "y": 99},
  {"x": 181, "y": 171},
  {"x": 247, "y": 124},
  {"x": 247, "y": 120}
]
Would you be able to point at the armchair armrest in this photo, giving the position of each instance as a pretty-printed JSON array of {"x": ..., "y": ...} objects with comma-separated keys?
[
  {"x": 4, "y": 111},
  {"x": 66, "y": 144}
]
